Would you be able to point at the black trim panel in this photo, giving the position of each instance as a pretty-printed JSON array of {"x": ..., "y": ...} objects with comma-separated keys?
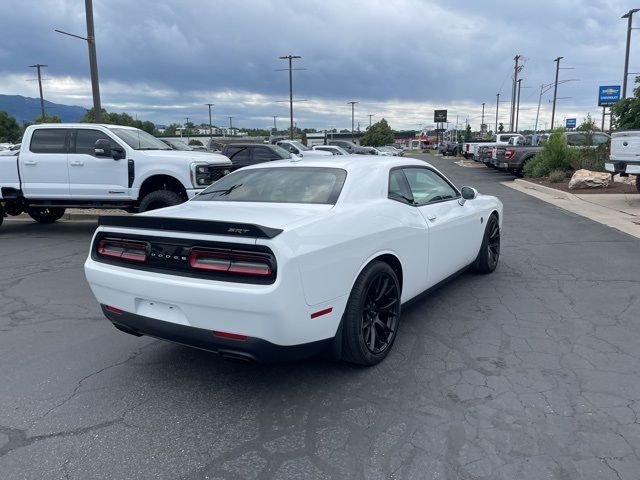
[
  {"x": 251, "y": 349},
  {"x": 190, "y": 225}
]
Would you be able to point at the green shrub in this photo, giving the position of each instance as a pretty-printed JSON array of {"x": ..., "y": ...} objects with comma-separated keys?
[
  {"x": 591, "y": 158},
  {"x": 196, "y": 142},
  {"x": 557, "y": 176},
  {"x": 555, "y": 155}
]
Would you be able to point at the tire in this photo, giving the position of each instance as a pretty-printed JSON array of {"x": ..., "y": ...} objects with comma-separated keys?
[
  {"x": 372, "y": 315},
  {"x": 487, "y": 259},
  {"x": 45, "y": 214},
  {"x": 159, "y": 199},
  {"x": 638, "y": 183}
]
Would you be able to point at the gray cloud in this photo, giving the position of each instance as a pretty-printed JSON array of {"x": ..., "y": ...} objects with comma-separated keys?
[{"x": 400, "y": 59}]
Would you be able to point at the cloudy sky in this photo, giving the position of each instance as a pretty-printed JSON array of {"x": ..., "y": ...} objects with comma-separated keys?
[{"x": 162, "y": 60}]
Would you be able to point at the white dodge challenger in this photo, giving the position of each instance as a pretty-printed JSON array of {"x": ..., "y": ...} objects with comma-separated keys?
[{"x": 286, "y": 259}]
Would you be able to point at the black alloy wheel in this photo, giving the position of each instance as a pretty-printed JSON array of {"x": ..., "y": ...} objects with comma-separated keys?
[
  {"x": 372, "y": 315},
  {"x": 380, "y": 313},
  {"x": 487, "y": 259}
]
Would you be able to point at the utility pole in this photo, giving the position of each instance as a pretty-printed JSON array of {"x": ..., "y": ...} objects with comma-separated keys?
[
  {"x": 210, "y": 126},
  {"x": 482, "y": 121},
  {"x": 290, "y": 59},
  {"x": 535, "y": 129},
  {"x": 555, "y": 90},
  {"x": 38, "y": 66},
  {"x": 370, "y": 115},
  {"x": 513, "y": 93},
  {"x": 188, "y": 131},
  {"x": 518, "y": 104},
  {"x": 93, "y": 59},
  {"x": 275, "y": 128},
  {"x": 352, "y": 111},
  {"x": 628, "y": 16},
  {"x": 231, "y": 125},
  {"x": 497, "y": 106}
]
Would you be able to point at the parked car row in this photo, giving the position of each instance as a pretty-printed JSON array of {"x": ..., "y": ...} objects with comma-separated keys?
[{"x": 513, "y": 155}]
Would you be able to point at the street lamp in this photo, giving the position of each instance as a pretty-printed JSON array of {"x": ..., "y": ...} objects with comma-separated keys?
[
  {"x": 352, "y": 110},
  {"x": 93, "y": 61},
  {"x": 629, "y": 17}
]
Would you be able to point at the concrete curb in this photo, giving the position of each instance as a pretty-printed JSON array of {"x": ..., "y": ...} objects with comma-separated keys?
[{"x": 548, "y": 190}]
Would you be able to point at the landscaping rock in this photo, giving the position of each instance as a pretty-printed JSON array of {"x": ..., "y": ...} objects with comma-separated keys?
[
  {"x": 630, "y": 180},
  {"x": 588, "y": 179}
]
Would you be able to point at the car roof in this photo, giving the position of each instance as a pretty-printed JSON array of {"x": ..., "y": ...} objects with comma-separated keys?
[
  {"x": 82, "y": 125},
  {"x": 351, "y": 163}
]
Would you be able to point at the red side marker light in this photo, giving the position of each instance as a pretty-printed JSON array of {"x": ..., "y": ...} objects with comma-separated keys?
[
  {"x": 320, "y": 313},
  {"x": 115, "y": 310},
  {"x": 230, "y": 336}
]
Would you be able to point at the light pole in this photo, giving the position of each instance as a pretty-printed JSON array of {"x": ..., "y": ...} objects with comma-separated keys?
[
  {"x": 370, "y": 115},
  {"x": 275, "y": 128},
  {"x": 290, "y": 58},
  {"x": 629, "y": 17},
  {"x": 93, "y": 60},
  {"x": 38, "y": 66},
  {"x": 231, "y": 125},
  {"x": 352, "y": 112},
  {"x": 210, "y": 126},
  {"x": 555, "y": 90},
  {"x": 188, "y": 130},
  {"x": 481, "y": 121},
  {"x": 518, "y": 104},
  {"x": 497, "y": 106}
]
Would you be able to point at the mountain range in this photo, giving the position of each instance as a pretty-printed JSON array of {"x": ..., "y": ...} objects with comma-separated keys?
[{"x": 27, "y": 109}]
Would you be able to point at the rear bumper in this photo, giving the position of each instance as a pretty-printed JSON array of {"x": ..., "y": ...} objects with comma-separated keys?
[
  {"x": 623, "y": 166},
  {"x": 248, "y": 348}
]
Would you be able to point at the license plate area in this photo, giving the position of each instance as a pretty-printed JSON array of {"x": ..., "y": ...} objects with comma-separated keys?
[{"x": 161, "y": 311}]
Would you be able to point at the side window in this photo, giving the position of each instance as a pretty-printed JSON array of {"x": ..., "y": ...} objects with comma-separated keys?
[
  {"x": 427, "y": 186},
  {"x": 238, "y": 155},
  {"x": 86, "y": 141},
  {"x": 577, "y": 140},
  {"x": 262, "y": 154},
  {"x": 599, "y": 139},
  {"x": 49, "y": 140},
  {"x": 398, "y": 189}
]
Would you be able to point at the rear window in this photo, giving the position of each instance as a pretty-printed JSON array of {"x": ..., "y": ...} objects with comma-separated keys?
[
  {"x": 49, "y": 140},
  {"x": 278, "y": 185}
]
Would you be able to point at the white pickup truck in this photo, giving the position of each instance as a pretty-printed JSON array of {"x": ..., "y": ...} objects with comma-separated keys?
[
  {"x": 624, "y": 157},
  {"x": 86, "y": 165},
  {"x": 301, "y": 150}
]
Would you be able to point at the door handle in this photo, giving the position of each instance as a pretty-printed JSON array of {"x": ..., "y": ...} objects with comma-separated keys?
[
  {"x": 30, "y": 162},
  {"x": 431, "y": 217},
  {"x": 77, "y": 163}
]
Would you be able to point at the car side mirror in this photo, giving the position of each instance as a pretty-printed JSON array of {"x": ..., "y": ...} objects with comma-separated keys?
[
  {"x": 102, "y": 148},
  {"x": 118, "y": 153},
  {"x": 468, "y": 193}
]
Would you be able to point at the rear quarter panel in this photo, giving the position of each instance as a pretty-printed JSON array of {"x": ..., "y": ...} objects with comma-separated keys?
[
  {"x": 332, "y": 251},
  {"x": 9, "y": 172}
]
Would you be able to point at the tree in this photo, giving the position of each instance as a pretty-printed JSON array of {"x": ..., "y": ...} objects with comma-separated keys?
[
  {"x": 172, "y": 129},
  {"x": 10, "y": 131},
  {"x": 90, "y": 116},
  {"x": 587, "y": 125},
  {"x": 378, "y": 134},
  {"x": 467, "y": 134},
  {"x": 48, "y": 119},
  {"x": 625, "y": 114},
  {"x": 500, "y": 127},
  {"x": 196, "y": 142}
]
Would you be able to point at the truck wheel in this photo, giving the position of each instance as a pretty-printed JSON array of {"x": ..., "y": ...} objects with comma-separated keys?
[
  {"x": 159, "y": 199},
  {"x": 638, "y": 183},
  {"x": 45, "y": 214}
]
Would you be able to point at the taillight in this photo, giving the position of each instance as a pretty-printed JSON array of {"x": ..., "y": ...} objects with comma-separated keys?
[
  {"x": 241, "y": 263},
  {"x": 509, "y": 153},
  {"x": 123, "y": 250}
]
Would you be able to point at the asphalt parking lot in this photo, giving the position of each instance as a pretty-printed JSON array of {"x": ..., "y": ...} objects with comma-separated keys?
[{"x": 532, "y": 372}]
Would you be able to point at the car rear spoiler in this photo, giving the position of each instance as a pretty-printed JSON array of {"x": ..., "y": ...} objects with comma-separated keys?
[{"x": 189, "y": 225}]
